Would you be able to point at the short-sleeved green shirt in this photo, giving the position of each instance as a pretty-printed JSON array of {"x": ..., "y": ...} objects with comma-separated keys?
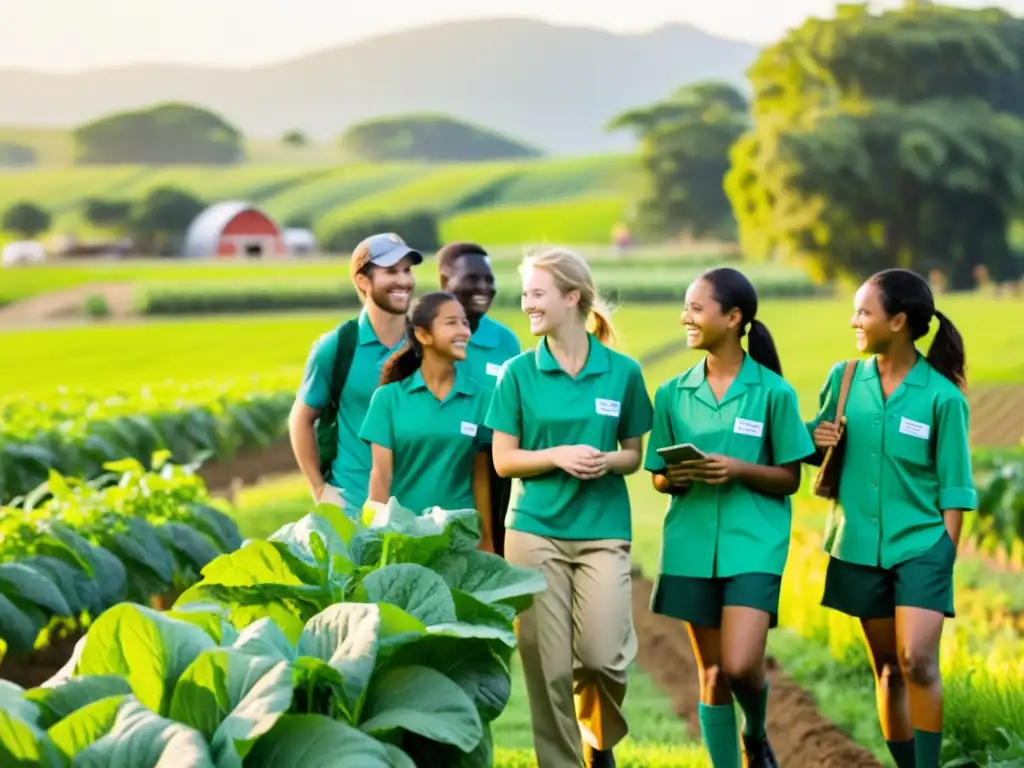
[
  {"x": 545, "y": 407},
  {"x": 434, "y": 442},
  {"x": 906, "y": 460},
  {"x": 489, "y": 347},
  {"x": 727, "y": 530},
  {"x": 351, "y": 468}
]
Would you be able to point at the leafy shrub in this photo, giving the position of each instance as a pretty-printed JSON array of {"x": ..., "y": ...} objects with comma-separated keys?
[
  {"x": 96, "y": 306},
  {"x": 420, "y": 229},
  {"x": 73, "y": 549},
  {"x": 384, "y": 643}
]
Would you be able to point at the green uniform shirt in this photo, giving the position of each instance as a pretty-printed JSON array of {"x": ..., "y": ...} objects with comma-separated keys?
[
  {"x": 489, "y": 347},
  {"x": 726, "y": 530},
  {"x": 909, "y": 456},
  {"x": 351, "y": 468},
  {"x": 434, "y": 442},
  {"x": 538, "y": 402}
]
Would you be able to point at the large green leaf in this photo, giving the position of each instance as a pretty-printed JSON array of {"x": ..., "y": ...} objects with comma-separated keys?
[
  {"x": 24, "y": 745},
  {"x": 346, "y": 637},
  {"x": 16, "y": 701},
  {"x": 266, "y": 638},
  {"x": 142, "y": 739},
  {"x": 190, "y": 543},
  {"x": 314, "y": 540},
  {"x": 18, "y": 628},
  {"x": 315, "y": 741},
  {"x": 416, "y": 590},
  {"x": 478, "y": 620},
  {"x": 212, "y": 618},
  {"x": 29, "y": 584},
  {"x": 423, "y": 701},
  {"x": 85, "y": 726},
  {"x": 232, "y": 698},
  {"x": 145, "y": 647},
  {"x": 258, "y": 562},
  {"x": 58, "y": 701},
  {"x": 489, "y": 578}
]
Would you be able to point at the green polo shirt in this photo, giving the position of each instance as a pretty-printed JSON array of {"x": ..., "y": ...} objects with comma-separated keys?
[
  {"x": 434, "y": 442},
  {"x": 538, "y": 402},
  {"x": 351, "y": 468},
  {"x": 489, "y": 347},
  {"x": 908, "y": 456},
  {"x": 726, "y": 530}
]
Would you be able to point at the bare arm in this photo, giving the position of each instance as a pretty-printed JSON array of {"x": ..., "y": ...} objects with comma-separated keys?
[
  {"x": 626, "y": 460},
  {"x": 512, "y": 461},
  {"x": 482, "y": 499},
  {"x": 773, "y": 481},
  {"x": 381, "y": 473},
  {"x": 304, "y": 446}
]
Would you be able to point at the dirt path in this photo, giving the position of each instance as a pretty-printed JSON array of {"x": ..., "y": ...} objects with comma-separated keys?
[
  {"x": 800, "y": 735},
  {"x": 69, "y": 303}
]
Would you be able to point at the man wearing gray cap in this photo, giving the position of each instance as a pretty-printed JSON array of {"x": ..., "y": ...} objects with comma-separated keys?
[{"x": 343, "y": 370}]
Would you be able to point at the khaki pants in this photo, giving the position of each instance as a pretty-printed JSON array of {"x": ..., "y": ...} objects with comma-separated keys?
[{"x": 576, "y": 642}]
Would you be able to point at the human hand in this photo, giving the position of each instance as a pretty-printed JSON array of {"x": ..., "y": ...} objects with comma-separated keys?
[
  {"x": 826, "y": 435},
  {"x": 679, "y": 476},
  {"x": 581, "y": 461},
  {"x": 714, "y": 469}
]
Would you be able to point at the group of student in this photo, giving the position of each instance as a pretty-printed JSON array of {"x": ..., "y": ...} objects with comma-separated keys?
[{"x": 441, "y": 407}]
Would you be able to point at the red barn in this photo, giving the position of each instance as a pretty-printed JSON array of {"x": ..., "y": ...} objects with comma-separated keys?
[{"x": 232, "y": 230}]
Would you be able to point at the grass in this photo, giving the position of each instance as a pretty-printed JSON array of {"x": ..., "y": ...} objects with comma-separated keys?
[{"x": 339, "y": 191}]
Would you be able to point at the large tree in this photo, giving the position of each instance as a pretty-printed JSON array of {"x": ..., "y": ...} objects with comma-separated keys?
[
  {"x": 684, "y": 147},
  {"x": 882, "y": 140}
]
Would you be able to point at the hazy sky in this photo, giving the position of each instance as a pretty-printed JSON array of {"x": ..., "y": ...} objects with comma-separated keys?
[{"x": 63, "y": 35}]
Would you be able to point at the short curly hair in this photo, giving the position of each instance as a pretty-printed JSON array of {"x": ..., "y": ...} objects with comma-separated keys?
[{"x": 452, "y": 252}]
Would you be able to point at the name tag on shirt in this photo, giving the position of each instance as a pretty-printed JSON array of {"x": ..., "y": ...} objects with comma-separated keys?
[
  {"x": 468, "y": 429},
  {"x": 493, "y": 369},
  {"x": 747, "y": 427},
  {"x": 608, "y": 407},
  {"x": 914, "y": 428}
]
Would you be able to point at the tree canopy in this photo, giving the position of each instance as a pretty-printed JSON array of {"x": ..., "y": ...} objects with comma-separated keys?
[
  {"x": 429, "y": 138},
  {"x": 165, "y": 134},
  {"x": 684, "y": 146},
  {"x": 26, "y": 219},
  {"x": 15, "y": 155},
  {"x": 882, "y": 140}
]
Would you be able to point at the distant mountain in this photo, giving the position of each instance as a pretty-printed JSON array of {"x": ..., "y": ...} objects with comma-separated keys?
[{"x": 552, "y": 86}]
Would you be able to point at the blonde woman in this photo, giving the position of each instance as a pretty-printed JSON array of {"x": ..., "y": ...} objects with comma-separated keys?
[{"x": 568, "y": 420}]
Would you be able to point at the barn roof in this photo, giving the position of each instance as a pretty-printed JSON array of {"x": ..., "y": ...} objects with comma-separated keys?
[{"x": 204, "y": 231}]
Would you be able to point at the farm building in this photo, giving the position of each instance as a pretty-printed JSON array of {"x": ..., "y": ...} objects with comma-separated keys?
[{"x": 233, "y": 229}]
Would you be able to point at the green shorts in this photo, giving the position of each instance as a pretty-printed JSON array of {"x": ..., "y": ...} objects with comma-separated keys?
[
  {"x": 870, "y": 592},
  {"x": 699, "y": 601}
]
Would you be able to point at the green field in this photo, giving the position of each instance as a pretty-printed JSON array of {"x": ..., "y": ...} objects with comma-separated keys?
[
  {"x": 571, "y": 200},
  {"x": 810, "y": 334}
]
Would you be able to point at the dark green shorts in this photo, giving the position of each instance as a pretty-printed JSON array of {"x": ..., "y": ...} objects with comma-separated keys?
[
  {"x": 870, "y": 592},
  {"x": 700, "y": 601}
]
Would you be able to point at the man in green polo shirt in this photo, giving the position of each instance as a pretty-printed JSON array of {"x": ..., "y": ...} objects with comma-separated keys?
[
  {"x": 465, "y": 271},
  {"x": 381, "y": 270}
]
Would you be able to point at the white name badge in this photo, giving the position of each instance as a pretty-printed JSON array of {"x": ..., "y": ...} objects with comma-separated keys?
[
  {"x": 608, "y": 407},
  {"x": 914, "y": 428},
  {"x": 468, "y": 429},
  {"x": 493, "y": 369},
  {"x": 747, "y": 427}
]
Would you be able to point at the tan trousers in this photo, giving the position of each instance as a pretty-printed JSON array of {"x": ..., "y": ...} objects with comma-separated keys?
[{"x": 576, "y": 642}]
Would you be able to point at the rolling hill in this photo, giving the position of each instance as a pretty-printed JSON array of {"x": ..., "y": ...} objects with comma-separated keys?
[{"x": 512, "y": 74}]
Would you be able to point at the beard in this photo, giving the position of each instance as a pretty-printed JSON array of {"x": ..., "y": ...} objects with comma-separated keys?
[{"x": 393, "y": 305}]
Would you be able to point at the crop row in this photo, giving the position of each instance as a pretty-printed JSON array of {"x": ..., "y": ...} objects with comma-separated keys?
[
  {"x": 379, "y": 643},
  {"x": 72, "y": 549},
  {"x": 76, "y": 433},
  {"x": 625, "y": 284}
]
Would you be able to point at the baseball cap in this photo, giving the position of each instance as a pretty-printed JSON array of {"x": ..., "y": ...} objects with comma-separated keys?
[{"x": 383, "y": 250}]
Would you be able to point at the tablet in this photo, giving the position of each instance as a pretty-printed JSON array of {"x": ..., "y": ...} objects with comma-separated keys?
[{"x": 676, "y": 454}]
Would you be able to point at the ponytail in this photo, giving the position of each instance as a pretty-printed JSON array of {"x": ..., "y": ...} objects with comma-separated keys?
[
  {"x": 406, "y": 361},
  {"x": 946, "y": 353},
  {"x": 761, "y": 347},
  {"x": 599, "y": 322}
]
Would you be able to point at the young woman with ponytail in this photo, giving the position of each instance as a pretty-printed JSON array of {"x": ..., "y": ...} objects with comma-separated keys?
[
  {"x": 908, "y": 461},
  {"x": 726, "y": 534},
  {"x": 568, "y": 419},
  {"x": 425, "y": 421}
]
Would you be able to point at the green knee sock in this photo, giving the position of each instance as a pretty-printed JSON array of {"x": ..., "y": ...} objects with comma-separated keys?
[
  {"x": 902, "y": 753},
  {"x": 927, "y": 749},
  {"x": 755, "y": 709},
  {"x": 718, "y": 724}
]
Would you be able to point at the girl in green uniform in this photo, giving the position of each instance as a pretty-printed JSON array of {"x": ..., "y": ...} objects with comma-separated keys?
[
  {"x": 425, "y": 422},
  {"x": 726, "y": 535},
  {"x": 904, "y": 484},
  {"x": 568, "y": 420}
]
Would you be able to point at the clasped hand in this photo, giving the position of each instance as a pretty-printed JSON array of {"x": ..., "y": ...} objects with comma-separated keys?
[
  {"x": 713, "y": 470},
  {"x": 582, "y": 461}
]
